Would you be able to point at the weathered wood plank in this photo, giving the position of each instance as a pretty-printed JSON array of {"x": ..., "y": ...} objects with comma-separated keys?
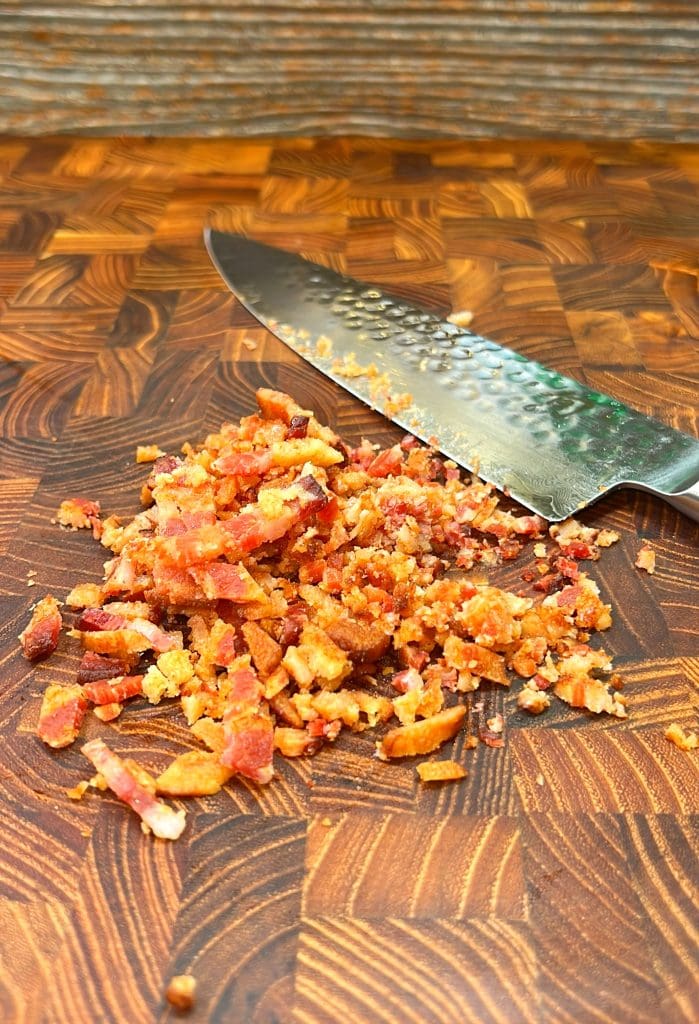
[{"x": 594, "y": 68}]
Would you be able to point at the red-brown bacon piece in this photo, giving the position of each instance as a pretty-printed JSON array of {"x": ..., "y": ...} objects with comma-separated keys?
[
  {"x": 40, "y": 637},
  {"x": 248, "y": 730},
  {"x": 98, "y": 620},
  {"x": 113, "y": 691},
  {"x": 97, "y": 666},
  {"x": 61, "y": 715},
  {"x": 163, "y": 821}
]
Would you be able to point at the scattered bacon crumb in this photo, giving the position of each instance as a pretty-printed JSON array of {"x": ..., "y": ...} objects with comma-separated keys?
[
  {"x": 645, "y": 559},
  {"x": 684, "y": 740},
  {"x": 181, "y": 991},
  {"x": 77, "y": 792},
  {"x": 80, "y": 514},
  {"x": 148, "y": 453},
  {"x": 285, "y": 588},
  {"x": 440, "y": 771}
]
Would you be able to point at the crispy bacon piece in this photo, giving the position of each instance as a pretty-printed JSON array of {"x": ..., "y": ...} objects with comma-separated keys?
[
  {"x": 221, "y": 581},
  {"x": 244, "y": 463},
  {"x": 295, "y": 742},
  {"x": 298, "y": 427},
  {"x": 114, "y": 691},
  {"x": 80, "y": 514},
  {"x": 61, "y": 715},
  {"x": 248, "y": 730},
  {"x": 101, "y": 620},
  {"x": 181, "y": 992},
  {"x": 422, "y": 737},
  {"x": 162, "y": 820},
  {"x": 40, "y": 637},
  {"x": 683, "y": 740},
  {"x": 387, "y": 463},
  {"x": 440, "y": 771},
  {"x": 276, "y": 405},
  {"x": 250, "y": 745},
  {"x": 645, "y": 559},
  {"x": 194, "y": 773},
  {"x": 266, "y": 653},
  {"x": 97, "y": 666}
]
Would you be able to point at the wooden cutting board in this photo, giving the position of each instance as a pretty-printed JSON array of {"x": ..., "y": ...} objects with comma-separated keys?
[{"x": 558, "y": 882}]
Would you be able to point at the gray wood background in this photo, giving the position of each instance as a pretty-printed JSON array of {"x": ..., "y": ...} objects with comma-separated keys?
[{"x": 508, "y": 68}]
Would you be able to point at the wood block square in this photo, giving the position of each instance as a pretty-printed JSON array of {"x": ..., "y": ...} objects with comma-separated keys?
[
  {"x": 662, "y": 857},
  {"x": 415, "y": 972},
  {"x": 650, "y": 774},
  {"x": 362, "y": 864},
  {"x": 603, "y": 339},
  {"x": 587, "y": 922},
  {"x": 239, "y": 911}
]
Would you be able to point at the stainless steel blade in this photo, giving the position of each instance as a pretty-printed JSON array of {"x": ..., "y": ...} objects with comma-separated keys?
[{"x": 553, "y": 444}]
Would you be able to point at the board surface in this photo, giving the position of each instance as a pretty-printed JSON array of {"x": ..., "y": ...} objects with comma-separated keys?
[{"x": 558, "y": 882}]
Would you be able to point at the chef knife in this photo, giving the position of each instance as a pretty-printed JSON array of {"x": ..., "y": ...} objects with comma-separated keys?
[{"x": 549, "y": 441}]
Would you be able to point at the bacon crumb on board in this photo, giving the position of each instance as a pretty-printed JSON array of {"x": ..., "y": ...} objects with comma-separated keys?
[
  {"x": 645, "y": 559},
  {"x": 40, "y": 637},
  {"x": 181, "y": 991},
  {"x": 148, "y": 453},
  {"x": 684, "y": 740},
  {"x": 440, "y": 771},
  {"x": 286, "y": 588}
]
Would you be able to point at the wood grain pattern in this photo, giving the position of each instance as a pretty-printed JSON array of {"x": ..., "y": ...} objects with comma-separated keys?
[
  {"x": 596, "y": 69},
  {"x": 558, "y": 882}
]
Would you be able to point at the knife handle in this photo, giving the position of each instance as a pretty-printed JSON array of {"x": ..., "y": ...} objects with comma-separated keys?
[{"x": 686, "y": 501}]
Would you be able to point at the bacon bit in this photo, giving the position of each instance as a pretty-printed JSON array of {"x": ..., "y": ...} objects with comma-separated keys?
[
  {"x": 108, "y": 712},
  {"x": 120, "y": 688},
  {"x": 490, "y": 738},
  {"x": 386, "y": 463},
  {"x": 221, "y": 581},
  {"x": 440, "y": 771},
  {"x": 94, "y": 666},
  {"x": 85, "y": 595},
  {"x": 298, "y": 427},
  {"x": 532, "y": 699},
  {"x": 684, "y": 740},
  {"x": 61, "y": 715},
  {"x": 80, "y": 514},
  {"x": 294, "y": 742},
  {"x": 195, "y": 773},
  {"x": 163, "y": 821},
  {"x": 645, "y": 559},
  {"x": 148, "y": 453},
  {"x": 181, "y": 992},
  {"x": 422, "y": 737},
  {"x": 77, "y": 792},
  {"x": 40, "y": 637}
]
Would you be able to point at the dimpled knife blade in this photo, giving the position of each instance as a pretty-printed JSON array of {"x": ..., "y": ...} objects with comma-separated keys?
[{"x": 553, "y": 444}]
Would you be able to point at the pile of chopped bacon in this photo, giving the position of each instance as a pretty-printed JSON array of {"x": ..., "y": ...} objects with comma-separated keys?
[{"x": 283, "y": 587}]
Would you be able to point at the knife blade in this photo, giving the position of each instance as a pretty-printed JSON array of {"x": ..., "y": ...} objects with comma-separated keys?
[{"x": 553, "y": 444}]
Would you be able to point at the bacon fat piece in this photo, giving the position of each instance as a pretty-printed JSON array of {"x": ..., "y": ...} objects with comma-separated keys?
[
  {"x": 40, "y": 637},
  {"x": 162, "y": 820}
]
